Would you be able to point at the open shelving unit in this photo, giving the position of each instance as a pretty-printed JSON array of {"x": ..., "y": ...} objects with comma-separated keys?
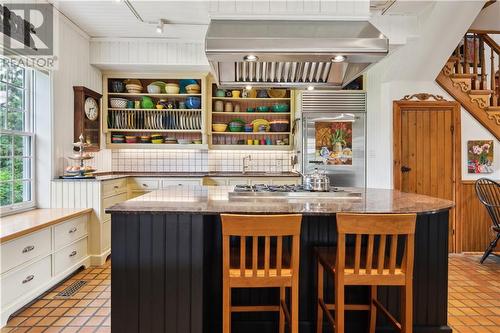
[
  {"x": 239, "y": 140},
  {"x": 187, "y": 124}
]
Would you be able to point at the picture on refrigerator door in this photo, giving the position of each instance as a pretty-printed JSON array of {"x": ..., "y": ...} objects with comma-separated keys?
[
  {"x": 334, "y": 142},
  {"x": 480, "y": 156}
]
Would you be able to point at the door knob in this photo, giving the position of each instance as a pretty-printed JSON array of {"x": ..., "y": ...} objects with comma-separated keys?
[{"x": 404, "y": 168}]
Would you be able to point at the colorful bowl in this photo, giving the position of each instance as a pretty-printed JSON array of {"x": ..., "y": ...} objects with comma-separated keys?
[
  {"x": 118, "y": 103},
  {"x": 172, "y": 88},
  {"x": 262, "y": 108},
  {"x": 193, "y": 102},
  {"x": 219, "y": 127},
  {"x": 280, "y": 108}
]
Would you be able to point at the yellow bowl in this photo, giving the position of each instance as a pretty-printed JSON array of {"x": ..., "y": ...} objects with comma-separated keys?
[
  {"x": 219, "y": 127},
  {"x": 159, "y": 106},
  {"x": 157, "y": 141}
]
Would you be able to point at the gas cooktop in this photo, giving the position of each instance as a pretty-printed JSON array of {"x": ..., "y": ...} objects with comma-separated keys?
[{"x": 289, "y": 191}]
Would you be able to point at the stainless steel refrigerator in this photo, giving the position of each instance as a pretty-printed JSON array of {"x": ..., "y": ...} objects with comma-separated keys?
[{"x": 334, "y": 135}]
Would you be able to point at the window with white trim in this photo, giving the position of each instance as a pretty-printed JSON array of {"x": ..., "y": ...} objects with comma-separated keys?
[{"x": 16, "y": 138}]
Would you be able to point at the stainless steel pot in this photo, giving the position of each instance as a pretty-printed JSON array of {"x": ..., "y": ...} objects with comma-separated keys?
[{"x": 316, "y": 182}]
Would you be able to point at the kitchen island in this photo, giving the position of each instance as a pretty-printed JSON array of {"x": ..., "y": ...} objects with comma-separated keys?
[{"x": 166, "y": 255}]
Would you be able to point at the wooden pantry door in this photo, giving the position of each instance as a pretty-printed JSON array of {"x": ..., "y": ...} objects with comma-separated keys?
[{"x": 427, "y": 149}]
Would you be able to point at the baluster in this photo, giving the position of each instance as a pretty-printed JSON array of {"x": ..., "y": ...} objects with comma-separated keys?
[
  {"x": 243, "y": 251},
  {"x": 458, "y": 67},
  {"x": 493, "y": 98},
  {"x": 255, "y": 249},
  {"x": 476, "y": 58},
  {"x": 483, "y": 63},
  {"x": 466, "y": 51}
]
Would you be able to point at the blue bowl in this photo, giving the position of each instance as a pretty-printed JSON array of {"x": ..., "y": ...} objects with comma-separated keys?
[{"x": 193, "y": 102}]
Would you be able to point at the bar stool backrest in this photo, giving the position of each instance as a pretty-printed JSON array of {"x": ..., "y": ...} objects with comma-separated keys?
[
  {"x": 270, "y": 228},
  {"x": 371, "y": 226},
  {"x": 488, "y": 192}
]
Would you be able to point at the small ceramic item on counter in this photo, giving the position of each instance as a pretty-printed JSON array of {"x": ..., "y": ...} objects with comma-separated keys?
[
  {"x": 171, "y": 105},
  {"x": 228, "y": 93},
  {"x": 159, "y": 106},
  {"x": 220, "y": 93},
  {"x": 130, "y": 104},
  {"x": 193, "y": 102},
  {"x": 269, "y": 141},
  {"x": 228, "y": 107},
  {"x": 262, "y": 141},
  {"x": 219, "y": 106},
  {"x": 248, "y": 128},
  {"x": 279, "y": 142},
  {"x": 256, "y": 142},
  {"x": 117, "y": 86},
  {"x": 160, "y": 84},
  {"x": 182, "y": 105},
  {"x": 262, "y": 94},
  {"x": 235, "y": 93},
  {"x": 249, "y": 142},
  {"x": 137, "y": 104},
  {"x": 237, "y": 108},
  {"x": 240, "y": 142},
  {"x": 153, "y": 89}
]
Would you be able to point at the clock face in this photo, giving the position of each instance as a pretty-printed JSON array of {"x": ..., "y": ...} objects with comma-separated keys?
[{"x": 91, "y": 108}]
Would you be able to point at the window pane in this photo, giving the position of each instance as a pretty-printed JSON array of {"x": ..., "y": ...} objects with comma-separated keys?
[
  {"x": 5, "y": 145},
  {"x": 4, "y": 70},
  {"x": 15, "y": 98},
  {"x": 16, "y": 76},
  {"x": 3, "y": 117},
  {"x": 5, "y": 193},
  {"x": 16, "y": 121},
  {"x": 22, "y": 191},
  {"x": 22, "y": 146},
  {"x": 3, "y": 95},
  {"x": 6, "y": 169},
  {"x": 22, "y": 168}
]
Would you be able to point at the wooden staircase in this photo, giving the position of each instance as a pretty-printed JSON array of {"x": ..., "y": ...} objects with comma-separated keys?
[{"x": 471, "y": 76}]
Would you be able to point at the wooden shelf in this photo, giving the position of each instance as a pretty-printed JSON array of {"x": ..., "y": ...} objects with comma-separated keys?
[
  {"x": 250, "y": 99},
  {"x": 250, "y": 147},
  {"x": 155, "y": 146},
  {"x": 153, "y": 95},
  {"x": 155, "y": 130},
  {"x": 151, "y": 110},
  {"x": 252, "y": 133},
  {"x": 253, "y": 113}
]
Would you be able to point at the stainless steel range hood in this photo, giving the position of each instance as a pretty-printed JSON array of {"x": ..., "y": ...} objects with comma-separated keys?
[{"x": 293, "y": 54}]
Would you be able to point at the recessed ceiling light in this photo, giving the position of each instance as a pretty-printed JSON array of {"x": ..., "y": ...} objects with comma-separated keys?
[
  {"x": 250, "y": 57},
  {"x": 310, "y": 88},
  {"x": 338, "y": 58}
]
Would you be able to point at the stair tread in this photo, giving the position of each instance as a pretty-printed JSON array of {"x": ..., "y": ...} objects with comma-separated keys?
[
  {"x": 480, "y": 92},
  {"x": 463, "y": 76}
]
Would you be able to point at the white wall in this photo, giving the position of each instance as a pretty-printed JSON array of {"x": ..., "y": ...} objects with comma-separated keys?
[{"x": 73, "y": 69}]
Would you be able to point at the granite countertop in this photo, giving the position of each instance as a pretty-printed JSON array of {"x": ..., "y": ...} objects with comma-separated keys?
[
  {"x": 102, "y": 176},
  {"x": 215, "y": 199}
]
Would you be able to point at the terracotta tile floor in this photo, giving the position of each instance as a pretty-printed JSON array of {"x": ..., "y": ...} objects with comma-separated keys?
[
  {"x": 474, "y": 301},
  {"x": 87, "y": 311},
  {"x": 474, "y": 294}
]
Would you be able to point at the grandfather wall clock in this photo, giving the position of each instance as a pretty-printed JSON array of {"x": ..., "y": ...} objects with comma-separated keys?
[{"x": 87, "y": 117}]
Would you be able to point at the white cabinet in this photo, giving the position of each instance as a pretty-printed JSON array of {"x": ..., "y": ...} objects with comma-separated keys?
[
  {"x": 232, "y": 181},
  {"x": 181, "y": 181},
  {"x": 24, "y": 249},
  {"x": 34, "y": 263}
]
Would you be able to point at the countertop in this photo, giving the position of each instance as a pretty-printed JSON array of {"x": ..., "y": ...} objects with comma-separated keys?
[
  {"x": 102, "y": 176},
  {"x": 20, "y": 224},
  {"x": 215, "y": 199}
]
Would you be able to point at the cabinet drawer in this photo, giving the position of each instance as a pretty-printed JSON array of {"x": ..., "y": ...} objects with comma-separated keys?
[
  {"x": 110, "y": 201},
  {"x": 114, "y": 187},
  {"x": 70, "y": 255},
  {"x": 21, "y": 282},
  {"x": 70, "y": 231},
  {"x": 144, "y": 184},
  {"x": 106, "y": 235},
  {"x": 23, "y": 249},
  {"x": 181, "y": 181}
]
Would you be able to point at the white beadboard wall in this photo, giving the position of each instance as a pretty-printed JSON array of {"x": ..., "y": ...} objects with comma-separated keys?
[
  {"x": 75, "y": 194},
  {"x": 73, "y": 69}
]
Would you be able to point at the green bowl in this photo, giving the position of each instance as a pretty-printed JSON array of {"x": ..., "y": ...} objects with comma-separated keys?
[
  {"x": 262, "y": 109},
  {"x": 236, "y": 128},
  {"x": 280, "y": 108}
]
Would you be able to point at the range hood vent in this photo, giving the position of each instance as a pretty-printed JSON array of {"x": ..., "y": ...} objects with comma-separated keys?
[{"x": 291, "y": 54}]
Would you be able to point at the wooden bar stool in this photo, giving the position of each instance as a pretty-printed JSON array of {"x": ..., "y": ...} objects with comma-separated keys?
[
  {"x": 354, "y": 266},
  {"x": 263, "y": 273}
]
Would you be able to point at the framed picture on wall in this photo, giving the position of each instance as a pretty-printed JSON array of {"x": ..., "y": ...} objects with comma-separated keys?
[{"x": 480, "y": 156}]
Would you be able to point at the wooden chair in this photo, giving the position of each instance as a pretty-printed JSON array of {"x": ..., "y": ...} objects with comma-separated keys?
[
  {"x": 488, "y": 192},
  {"x": 263, "y": 273},
  {"x": 354, "y": 266}
]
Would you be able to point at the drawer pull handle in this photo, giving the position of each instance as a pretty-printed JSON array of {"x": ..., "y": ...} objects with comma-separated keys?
[
  {"x": 145, "y": 185},
  {"x": 28, "y": 248},
  {"x": 72, "y": 254},
  {"x": 72, "y": 230},
  {"x": 28, "y": 279}
]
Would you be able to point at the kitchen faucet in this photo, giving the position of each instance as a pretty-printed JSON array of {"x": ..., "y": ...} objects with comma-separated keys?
[{"x": 245, "y": 165}]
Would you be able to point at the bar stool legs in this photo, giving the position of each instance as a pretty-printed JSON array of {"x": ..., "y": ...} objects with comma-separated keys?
[{"x": 373, "y": 309}]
